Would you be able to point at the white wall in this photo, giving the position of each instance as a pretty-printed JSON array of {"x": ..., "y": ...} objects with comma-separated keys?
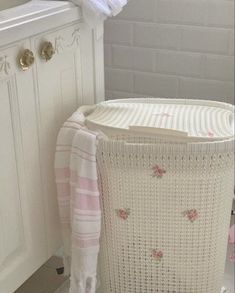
[{"x": 171, "y": 48}]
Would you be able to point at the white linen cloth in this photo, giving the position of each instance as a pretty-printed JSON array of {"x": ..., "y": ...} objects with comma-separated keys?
[
  {"x": 95, "y": 11},
  {"x": 78, "y": 199}
]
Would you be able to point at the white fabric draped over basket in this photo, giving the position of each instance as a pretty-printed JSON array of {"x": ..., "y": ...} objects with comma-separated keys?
[
  {"x": 79, "y": 204},
  {"x": 95, "y": 11}
]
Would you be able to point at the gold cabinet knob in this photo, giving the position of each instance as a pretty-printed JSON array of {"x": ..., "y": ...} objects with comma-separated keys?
[
  {"x": 26, "y": 59},
  {"x": 47, "y": 51}
]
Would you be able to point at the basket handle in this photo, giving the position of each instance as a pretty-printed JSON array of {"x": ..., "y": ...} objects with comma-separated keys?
[{"x": 158, "y": 131}]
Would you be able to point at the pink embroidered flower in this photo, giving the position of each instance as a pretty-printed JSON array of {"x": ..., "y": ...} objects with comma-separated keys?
[
  {"x": 232, "y": 257},
  {"x": 207, "y": 133},
  {"x": 192, "y": 215},
  {"x": 157, "y": 254},
  {"x": 123, "y": 213},
  {"x": 158, "y": 171},
  {"x": 210, "y": 134}
]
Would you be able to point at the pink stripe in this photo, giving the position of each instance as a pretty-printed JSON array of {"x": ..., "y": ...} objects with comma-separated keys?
[
  {"x": 62, "y": 173},
  {"x": 87, "y": 202},
  {"x": 84, "y": 213},
  {"x": 84, "y": 156},
  {"x": 77, "y": 152},
  {"x": 63, "y": 189},
  {"x": 232, "y": 235},
  {"x": 81, "y": 155},
  {"x": 86, "y": 243},
  {"x": 69, "y": 147},
  {"x": 89, "y": 221},
  {"x": 63, "y": 150},
  {"x": 71, "y": 127},
  {"x": 232, "y": 257},
  {"x": 85, "y": 235},
  {"x": 84, "y": 182},
  {"x": 85, "y": 151}
]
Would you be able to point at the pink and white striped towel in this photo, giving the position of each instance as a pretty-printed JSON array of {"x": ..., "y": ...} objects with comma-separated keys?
[
  {"x": 232, "y": 242},
  {"x": 78, "y": 199}
]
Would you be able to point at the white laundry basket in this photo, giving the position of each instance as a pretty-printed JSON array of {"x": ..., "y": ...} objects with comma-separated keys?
[{"x": 166, "y": 179}]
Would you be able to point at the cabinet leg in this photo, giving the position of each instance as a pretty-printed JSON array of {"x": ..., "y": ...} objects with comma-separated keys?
[{"x": 60, "y": 271}]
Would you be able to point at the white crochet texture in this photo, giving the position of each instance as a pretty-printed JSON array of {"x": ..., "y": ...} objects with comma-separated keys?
[{"x": 165, "y": 205}]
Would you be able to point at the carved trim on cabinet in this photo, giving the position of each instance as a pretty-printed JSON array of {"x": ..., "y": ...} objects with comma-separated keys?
[
  {"x": 75, "y": 38},
  {"x": 66, "y": 38},
  {"x": 60, "y": 41},
  {"x": 5, "y": 65},
  {"x": 59, "y": 44}
]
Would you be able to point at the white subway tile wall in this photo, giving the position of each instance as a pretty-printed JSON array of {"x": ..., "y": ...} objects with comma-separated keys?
[{"x": 171, "y": 48}]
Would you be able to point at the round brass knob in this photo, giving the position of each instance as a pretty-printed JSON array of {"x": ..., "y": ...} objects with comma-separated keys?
[
  {"x": 26, "y": 59},
  {"x": 47, "y": 51}
]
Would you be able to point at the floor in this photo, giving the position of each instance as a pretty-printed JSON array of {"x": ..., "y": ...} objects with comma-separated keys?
[
  {"x": 46, "y": 279},
  {"x": 64, "y": 288}
]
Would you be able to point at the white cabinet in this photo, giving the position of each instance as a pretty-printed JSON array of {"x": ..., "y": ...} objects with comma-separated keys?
[
  {"x": 33, "y": 106},
  {"x": 22, "y": 225}
]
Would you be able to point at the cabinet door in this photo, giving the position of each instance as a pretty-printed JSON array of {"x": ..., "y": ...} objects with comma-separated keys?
[
  {"x": 63, "y": 83},
  {"x": 22, "y": 227}
]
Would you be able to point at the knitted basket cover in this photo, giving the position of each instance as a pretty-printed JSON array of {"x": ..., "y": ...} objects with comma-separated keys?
[{"x": 166, "y": 196}]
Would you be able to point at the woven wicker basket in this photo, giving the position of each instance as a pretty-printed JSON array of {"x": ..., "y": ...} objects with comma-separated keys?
[{"x": 166, "y": 178}]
